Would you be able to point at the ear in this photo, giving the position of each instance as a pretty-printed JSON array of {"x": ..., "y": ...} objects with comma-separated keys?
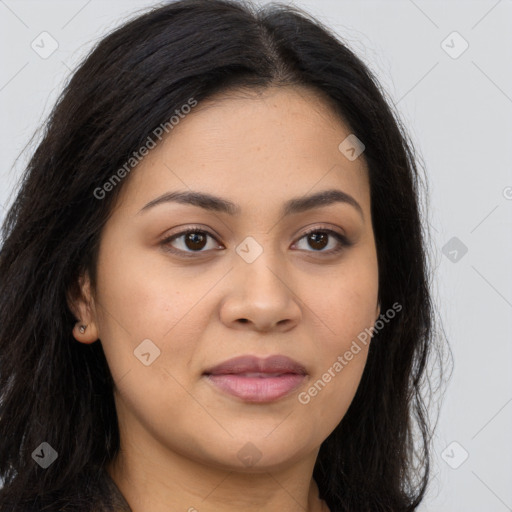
[
  {"x": 377, "y": 314},
  {"x": 81, "y": 302}
]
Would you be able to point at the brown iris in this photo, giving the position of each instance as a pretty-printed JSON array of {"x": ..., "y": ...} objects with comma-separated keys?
[
  {"x": 316, "y": 237},
  {"x": 195, "y": 241}
]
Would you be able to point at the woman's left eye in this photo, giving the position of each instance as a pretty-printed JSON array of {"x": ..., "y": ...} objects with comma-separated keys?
[
  {"x": 318, "y": 239},
  {"x": 195, "y": 240}
]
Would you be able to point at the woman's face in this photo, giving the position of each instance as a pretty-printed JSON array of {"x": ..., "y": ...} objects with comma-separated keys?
[{"x": 251, "y": 282}]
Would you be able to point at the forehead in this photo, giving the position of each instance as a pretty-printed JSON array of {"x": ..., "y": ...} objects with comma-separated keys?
[{"x": 251, "y": 146}]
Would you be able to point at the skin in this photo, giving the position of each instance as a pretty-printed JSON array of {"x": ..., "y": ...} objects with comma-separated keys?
[{"x": 180, "y": 435}]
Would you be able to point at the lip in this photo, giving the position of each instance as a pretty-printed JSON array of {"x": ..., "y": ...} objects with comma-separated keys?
[
  {"x": 247, "y": 364},
  {"x": 257, "y": 380}
]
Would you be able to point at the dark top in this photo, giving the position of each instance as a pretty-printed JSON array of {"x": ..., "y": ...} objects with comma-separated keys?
[{"x": 118, "y": 500}]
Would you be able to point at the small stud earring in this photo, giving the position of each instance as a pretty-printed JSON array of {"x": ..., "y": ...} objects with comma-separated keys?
[{"x": 82, "y": 328}]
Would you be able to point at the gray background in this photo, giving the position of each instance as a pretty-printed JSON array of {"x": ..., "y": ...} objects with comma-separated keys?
[{"x": 457, "y": 109}]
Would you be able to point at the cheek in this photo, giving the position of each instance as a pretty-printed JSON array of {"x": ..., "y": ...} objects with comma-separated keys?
[
  {"x": 149, "y": 316},
  {"x": 340, "y": 362},
  {"x": 344, "y": 310},
  {"x": 141, "y": 300},
  {"x": 346, "y": 303}
]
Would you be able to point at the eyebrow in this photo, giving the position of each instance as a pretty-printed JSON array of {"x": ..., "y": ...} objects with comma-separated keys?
[{"x": 218, "y": 204}]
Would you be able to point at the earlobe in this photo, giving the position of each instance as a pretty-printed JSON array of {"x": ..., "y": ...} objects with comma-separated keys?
[
  {"x": 81, "y": 303},
  {"x": 85, "y": 333}
]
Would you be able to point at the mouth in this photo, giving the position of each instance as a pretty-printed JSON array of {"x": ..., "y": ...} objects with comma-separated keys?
[{"x": 257, "y": 380}]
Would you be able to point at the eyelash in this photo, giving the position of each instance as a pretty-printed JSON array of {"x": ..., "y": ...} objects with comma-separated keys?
[{"x": 342, "y": 239}]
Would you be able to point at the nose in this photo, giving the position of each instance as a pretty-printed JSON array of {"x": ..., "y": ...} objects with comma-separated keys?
[{"x": 261, "y": 296}]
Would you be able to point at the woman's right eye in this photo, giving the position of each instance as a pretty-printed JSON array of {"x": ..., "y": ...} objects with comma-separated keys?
[{"x": 192, "y": 241}]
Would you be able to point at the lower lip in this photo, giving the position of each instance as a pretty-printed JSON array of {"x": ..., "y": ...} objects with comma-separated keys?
[{"x": 257, "y": 389}]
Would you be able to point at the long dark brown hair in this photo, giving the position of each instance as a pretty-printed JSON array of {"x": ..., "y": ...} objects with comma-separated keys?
[{"x": 56, "y": 390}]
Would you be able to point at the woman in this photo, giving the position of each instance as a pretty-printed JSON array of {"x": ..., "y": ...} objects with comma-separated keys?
[{"x": 214, "y": 285}]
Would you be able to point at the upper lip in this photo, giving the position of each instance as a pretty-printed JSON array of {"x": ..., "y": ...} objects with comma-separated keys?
[{"x": 247, "y": 363}]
